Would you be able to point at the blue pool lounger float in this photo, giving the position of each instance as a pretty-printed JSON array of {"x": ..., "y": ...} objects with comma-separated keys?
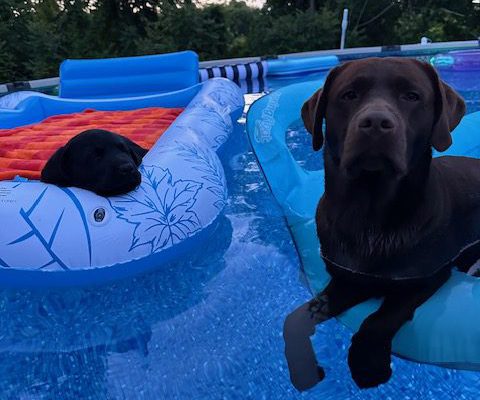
[
  {"x": 445, "y": 329},
  {"x": 54, "y": 237}
]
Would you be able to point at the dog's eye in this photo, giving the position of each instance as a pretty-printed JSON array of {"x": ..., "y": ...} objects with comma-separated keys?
[
  {"x": 349, "y": 95},
  {"x": 411, "y": 96}
]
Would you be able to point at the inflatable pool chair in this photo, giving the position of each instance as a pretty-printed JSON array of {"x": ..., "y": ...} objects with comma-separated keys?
[{"x": 57, "y": 237}]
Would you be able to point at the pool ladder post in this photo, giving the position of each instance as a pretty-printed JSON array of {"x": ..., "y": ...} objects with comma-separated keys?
[{"x": 344, "y": 28}]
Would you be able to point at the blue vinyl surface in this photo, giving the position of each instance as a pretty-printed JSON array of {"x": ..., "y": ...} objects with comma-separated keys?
[{"x": 128, "y": 76}]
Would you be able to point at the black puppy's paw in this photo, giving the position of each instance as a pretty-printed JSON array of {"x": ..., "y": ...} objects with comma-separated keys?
[{"x": 369, "y": 361}]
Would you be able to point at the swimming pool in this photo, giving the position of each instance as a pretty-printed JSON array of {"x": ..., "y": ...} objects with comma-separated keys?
[{"x": 208, "y": 327}]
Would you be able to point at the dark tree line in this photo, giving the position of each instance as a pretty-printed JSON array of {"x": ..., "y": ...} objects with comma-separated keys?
[{"x": 36, "y": 35}]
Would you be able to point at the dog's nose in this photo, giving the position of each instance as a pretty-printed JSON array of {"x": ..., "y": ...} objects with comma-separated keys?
[
  {"x": 376, "y": 122},
  {"x": 126, "y": 169}
]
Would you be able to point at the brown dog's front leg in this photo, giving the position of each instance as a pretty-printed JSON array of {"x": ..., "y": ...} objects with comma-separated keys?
[
  {"x": 370, "y": 352},
  {"x": 299, "y": 325}
]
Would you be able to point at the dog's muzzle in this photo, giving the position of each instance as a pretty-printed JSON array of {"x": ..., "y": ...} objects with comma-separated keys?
[{"x": 375, "y": 145}]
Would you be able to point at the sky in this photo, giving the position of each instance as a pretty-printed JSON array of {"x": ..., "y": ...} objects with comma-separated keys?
[{"x": 253, "y": 3}]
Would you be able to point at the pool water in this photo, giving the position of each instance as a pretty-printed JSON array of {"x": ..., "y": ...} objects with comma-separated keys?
[{"x": 206, "y": 327}]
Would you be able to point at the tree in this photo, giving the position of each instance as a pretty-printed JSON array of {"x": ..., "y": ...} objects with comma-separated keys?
[
  {"x": 44, "y": 40},
  {"x": 200, "y": 29},
  {"x": 438, "y": 25},
  {"x": 282, "y": 7},
  {"x": 300, "y": 31},
  {"x": 55, "y": 32},
  {"x": 118, "y": 24},
  {"x": 36, "y": 35},
  {"x": 239, "y": 21},
  {"x": 14, "y": 18}
]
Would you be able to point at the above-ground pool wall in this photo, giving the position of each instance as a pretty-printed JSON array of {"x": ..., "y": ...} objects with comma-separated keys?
[{"x": 423, "y": 52}]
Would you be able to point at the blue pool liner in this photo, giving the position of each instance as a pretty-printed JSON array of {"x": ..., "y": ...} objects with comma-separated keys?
[{"x": 445, "y": 329}]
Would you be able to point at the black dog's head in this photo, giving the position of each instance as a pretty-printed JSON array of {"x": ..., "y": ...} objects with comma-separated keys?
[
  {"x": 97, "y": 160},
  {"x": 382, "y": 115}
]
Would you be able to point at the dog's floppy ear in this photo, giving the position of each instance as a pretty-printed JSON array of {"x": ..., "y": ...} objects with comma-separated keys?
[
  {"x": 309, "y": 116},
  {"x": 54, "y": 170},
  {"x": 137, "y": 152},
  {"x": 449, "y": 110},
  {"x": 452, "y": 110},
  {"x": 314, "y": 109}
]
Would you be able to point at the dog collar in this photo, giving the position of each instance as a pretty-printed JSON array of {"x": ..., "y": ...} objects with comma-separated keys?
[{"x": 422, "y": 261}]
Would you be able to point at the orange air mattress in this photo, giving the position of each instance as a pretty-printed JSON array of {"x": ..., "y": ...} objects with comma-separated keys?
[{"x": 25, "y": 150}]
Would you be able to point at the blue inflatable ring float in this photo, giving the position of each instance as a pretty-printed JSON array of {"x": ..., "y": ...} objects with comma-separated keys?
[
  {"x": 446, "y": 329},
  {"x": 69, "y": 236}
]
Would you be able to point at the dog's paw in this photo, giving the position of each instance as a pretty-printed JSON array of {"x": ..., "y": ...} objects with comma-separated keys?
[
  {"x": 369, "y": 361},
  {"x": 309, "y": 380}
]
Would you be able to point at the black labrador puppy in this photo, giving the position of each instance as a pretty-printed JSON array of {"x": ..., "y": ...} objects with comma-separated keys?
[
  {"x": 97, "y": 160},
  {"x": 392, "y": 221}
]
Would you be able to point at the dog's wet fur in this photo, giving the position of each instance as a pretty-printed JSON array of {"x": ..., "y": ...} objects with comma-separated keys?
[
  {"x": 97, "y": 160},
  {"x": 392, "y": 221}
]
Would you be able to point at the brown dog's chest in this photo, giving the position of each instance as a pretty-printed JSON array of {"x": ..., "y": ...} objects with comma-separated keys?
[
  {"x": 369, "y": 241},
  {"x": 361, "y": 250}
]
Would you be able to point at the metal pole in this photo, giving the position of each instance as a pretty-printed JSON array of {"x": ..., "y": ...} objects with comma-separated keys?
[{"x": 344, "y": 28}]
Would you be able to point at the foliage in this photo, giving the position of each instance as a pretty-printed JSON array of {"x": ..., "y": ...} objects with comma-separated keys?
[
  {"x": 181, "y": 28},
  {"x": 435, "y": 24},
  {"x": 36, "y": 35},
  {"x": 14, "y": 20},
  {"x": 298, "y": 31}
]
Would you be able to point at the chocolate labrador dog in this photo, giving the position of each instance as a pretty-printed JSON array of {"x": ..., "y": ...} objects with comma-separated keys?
[
  {"x": 97, "y": 160},
  {"x": 392, "y": 221}
]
